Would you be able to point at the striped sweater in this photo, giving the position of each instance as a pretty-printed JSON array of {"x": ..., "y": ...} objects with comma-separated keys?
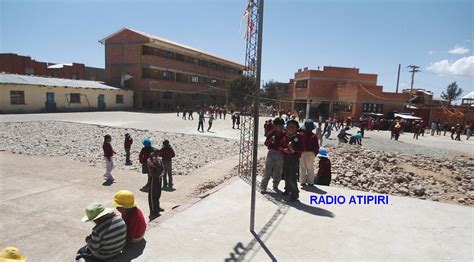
[{"x": 108, "y": 237}]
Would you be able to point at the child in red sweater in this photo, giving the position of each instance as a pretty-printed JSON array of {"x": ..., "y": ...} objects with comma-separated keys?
[
  {"x": 124, "y": 200},
  {"x": 108, "y": 157}
]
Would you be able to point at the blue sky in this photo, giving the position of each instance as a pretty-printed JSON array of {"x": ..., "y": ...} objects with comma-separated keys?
[{"x": 373, "y": 35}]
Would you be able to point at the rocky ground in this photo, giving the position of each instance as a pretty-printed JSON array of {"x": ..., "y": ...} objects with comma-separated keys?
[
  {"x": 417, "y": 176},
  {"x": 83, "y": 142}
]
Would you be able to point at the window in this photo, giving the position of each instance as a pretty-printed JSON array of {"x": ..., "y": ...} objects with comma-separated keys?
[
  {"x": 167, "y": 95},
  {"x": 213, "y": 65},
  {"x": 17, "y": 97},
  {"x": 29, "y": 71},
  {"x": 302, "y": 84},
  {"x": 182, "y": 78},
  {"x": 169, "y": 54},
  {"x": 179, "y": 57},
  {"x": 74, "y": 98},
  {"x": 342, "y": 107},
  {"x": 372, "y": 108},
  {"x": 167, "y": 75},
  {"x": 195, "y": 79},
  {"x": 119, "y": 99}
]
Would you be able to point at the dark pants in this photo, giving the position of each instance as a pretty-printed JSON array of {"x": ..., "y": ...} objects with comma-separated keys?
[
  {"x": 145, "y": 171},
  {"x": 127, "y": 155},
  {"x": 458, "y": 137},
  {"x": 233, "y": 123},
  {"x": 323, "y": 180},
  {"x": 290, "y": 168},
  {"x": 209, "y": 128},
  {"x": 396, "y": 136},
  {"x": 167, "y": 176},
  {"x": 201, "y": 126},
  {"x": 154, "y": 195},
  {"x": 86, "y": 254}
]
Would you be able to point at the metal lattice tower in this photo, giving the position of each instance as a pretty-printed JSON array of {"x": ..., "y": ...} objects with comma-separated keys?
[
  {"x": 250, "y": 107},
  {"x": 247, "y": 120}
]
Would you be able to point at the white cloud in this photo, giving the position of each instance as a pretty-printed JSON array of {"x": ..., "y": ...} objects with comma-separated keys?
[
  {"x": 461, "y": 67},
  {"x": 459, "y": 50}
]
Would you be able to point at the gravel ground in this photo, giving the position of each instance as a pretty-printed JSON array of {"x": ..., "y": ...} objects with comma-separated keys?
[{"x": 83, "y": 142}]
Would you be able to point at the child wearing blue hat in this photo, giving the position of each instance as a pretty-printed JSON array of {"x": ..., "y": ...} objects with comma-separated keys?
[
  {"x": 324, "y": 172},
  {"x": 143, "y": 157}
]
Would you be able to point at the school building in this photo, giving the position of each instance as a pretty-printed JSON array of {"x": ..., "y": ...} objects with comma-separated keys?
[
  {"x": 24, "y": 94},
  {"x": 341, "y": 92},
  {"x": 25, "y": 65},
  {"x": 164, "y": 74}
]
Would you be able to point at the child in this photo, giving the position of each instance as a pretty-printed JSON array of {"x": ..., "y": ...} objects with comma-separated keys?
[
  {"x": 291, "y": 146},
  {"x": 324, "y": 172},
  {"x": 124, "y": 201},
  {"x": 356, "y": 139},
  {"x": 108, "y": 157},
  {"x": 143, "y": 157},
  {"x": 211, "y": 119},
  {"x": 127, "y": 144},
  {"x": 237, "y": 120},
  {"x": 155, "y": 168},
  {"x": 10, "y": 254},
  {"x": 167, "y": 153}
]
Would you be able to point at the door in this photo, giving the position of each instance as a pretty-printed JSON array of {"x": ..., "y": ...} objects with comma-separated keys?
[
  {"x": 101, "y": 101},
  {"x": 50, "y": 104}
]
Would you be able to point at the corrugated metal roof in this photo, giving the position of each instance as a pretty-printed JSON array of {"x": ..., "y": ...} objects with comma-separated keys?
[
  {"x": 470, "y": 95},
  {"x": 49, "y": 81}
]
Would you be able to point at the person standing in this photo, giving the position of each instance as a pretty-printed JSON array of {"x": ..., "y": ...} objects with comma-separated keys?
[
  {"x": 184, "y": 113},
  {"x": 324, "y": 171},
  {"x": 319, "y": 134},
  {"x": 274, "y": 160},
  {"x": 433, "y": 128},
  {"x": 396, "y": 130},
  {"x": 190, "y": 114},
  {"x": 155, "y": 167},
  {"x": 234, "y": 119},
  {"x": 291, "y": 147},
  {"x": 225, "y": 112},
  {"x": 468, "y": 130},
  {"x": 201, "y": 122},
  {"x": 237, "y": 120},
  {"x": 310, "y": 145},
  {"x": 143, "y": 157},
  {"x": 167, "y": 154},
  {"x": 127, "y": 144},
  {"x": 458, "y": 132},
  {"x": 211, "y": 119},
  {"x": 108, "y": 157}
]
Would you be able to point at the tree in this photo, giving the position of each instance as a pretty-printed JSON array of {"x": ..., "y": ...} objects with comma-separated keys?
[
  {"x": 270, "y": 90},
  {"x": 452, "y": 92},
  {"x": 241, "y": 90}
]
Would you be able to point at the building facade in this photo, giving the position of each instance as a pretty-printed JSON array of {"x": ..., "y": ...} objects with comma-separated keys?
[
  {"x": 24, "y": 65},
  {"x": 25, "y": 94},
  {"x": 164, "y": 74},
  {"x": 341, "y": 92}
]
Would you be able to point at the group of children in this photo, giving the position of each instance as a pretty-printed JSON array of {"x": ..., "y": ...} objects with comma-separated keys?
[
  {"x": 156, "y": 163},
  {"x": 112, "y": 233},
  {"x": 291, "y": 151}
]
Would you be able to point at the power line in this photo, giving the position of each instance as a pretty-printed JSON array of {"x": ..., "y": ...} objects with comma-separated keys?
[{"x": 414, "y": 69}]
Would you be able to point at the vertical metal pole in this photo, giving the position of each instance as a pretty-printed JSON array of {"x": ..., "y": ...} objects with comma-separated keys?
[
  {"x": 256, "y": 114},
  {"x": 398, "y": 77}
]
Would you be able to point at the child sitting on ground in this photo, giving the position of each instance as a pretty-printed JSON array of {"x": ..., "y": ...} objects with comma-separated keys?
[{"x": 124, "y": 201}]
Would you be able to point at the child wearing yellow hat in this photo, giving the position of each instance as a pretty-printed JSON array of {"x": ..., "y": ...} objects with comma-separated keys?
[
  {"x": 124, "y": 200},
  {"x": 11, "y": 254}
]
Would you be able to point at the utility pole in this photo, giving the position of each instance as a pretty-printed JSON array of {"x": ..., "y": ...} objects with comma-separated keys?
[
  {"x": 398, "y": 77},
  {"x": 414, "y": 69}
]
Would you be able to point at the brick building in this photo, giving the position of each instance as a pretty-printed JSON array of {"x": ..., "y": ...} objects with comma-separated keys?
[
  {"x": 24, "y": 65},
  {"x": 164, "y": 74},
  {"x": 341, "y": 92}
]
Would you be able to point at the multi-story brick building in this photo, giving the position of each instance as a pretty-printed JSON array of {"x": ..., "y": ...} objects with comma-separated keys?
[
  {"x": 24, "y": 65},
  {"x": 341, "y": 92},
  {"x": 164, "y": 74}
]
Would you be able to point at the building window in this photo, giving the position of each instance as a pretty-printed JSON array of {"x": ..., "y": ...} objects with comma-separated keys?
[
  {"x": 75, "y": 98},
  {"x": 179, "y": 57},
  {"x": 167, "y": 75},
  {"x": 119, "y": 99},
  {"x": 182, "y": 78},
  {"x": 372, "y": 108},
  {"x": 167, "y": 95},
  {"x": 17, "y": 97},
  {"x": 169, "y": 54},
  {"x": 29, "y": 71},
  {"x": 195, "y": 79},
  {"x": 302, "y": 84},
  {"x": 342, "y": 107}
]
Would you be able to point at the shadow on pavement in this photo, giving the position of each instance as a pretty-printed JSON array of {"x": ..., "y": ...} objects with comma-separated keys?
[
  {"x": 131, "y": 252},
  {"x": 314, "y": 189}
]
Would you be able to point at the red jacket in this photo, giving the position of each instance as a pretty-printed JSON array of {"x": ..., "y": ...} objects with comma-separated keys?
[
  {"x": 273, "y": 140},
  {"x": 295, "y": 143},
  {"x": 136, "y": 224},
  {"x": 145, "y": 154},
  {"x": 108, "y": 151},
  {"x": 127, "y": 144},
  {"x": 324, "y": 167},
  {"x": 167, "y": 153},
  {"x": 310, "y": 142}
]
